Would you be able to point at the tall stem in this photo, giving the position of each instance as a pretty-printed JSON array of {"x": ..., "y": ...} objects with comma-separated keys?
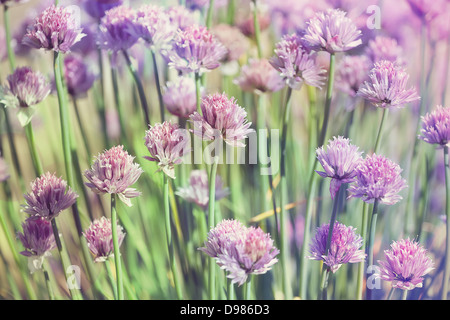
[
  {"x": 361, "y": 265},
  {"x": 211, "y": 217},
  {"x": 198, "y": 94},
  {"x": 115, "y": 238},
  {"x": 248, "y": 288},
  {"x": 33, "y": 151},
  {"x": 328, "y": 97},
  {"x": 209, "y": 15},
  {"x": 370, "y": 245},
  {"x": 257, "y": 29},
  {"x": 158, "y": 85},
  {"x": 447, "y": 223},
  {"x": 10, "y": 50},
  {"x": 380, "y": 128}
]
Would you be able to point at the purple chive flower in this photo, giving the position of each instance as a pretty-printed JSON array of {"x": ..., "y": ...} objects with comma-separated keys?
[
  {"x": 332, "y": 31},
  {"x": 48, "y": 197},
  {"x": 99, "y": 239},
  {"x": 436, "y": 126},
  {"x": 386, "y": 86},
  {"x": 233, "y": 39},
  {"x": 38, "y": 240},
  {"x": 97, "y": 8},
  {"x": 79, "y": 79},
  {"x": 113, "y": 172},
  {"x": 351, "y": 72},
  {"x": 240, "y": 251},
  {"x": 222, "y": 118},
  {"x": 296, "y": 63},
  {"x": 198, "y": 189},
  {"x": 167, "y": 145},
  {"x": 344, "y": 248},
  {"x": 12, "y": 2},
  {"x": 384, "y": 48},
  {"x": 181, "y": 17},
  {"x": 427, "y": 10},
  {"x": 247, "y": 24},
  {"x": 259, "y": 76},
  {"x": 4, "y": 171},
  {"x": 378, "y": 178},
  {"x": 339, "y": 162},
  {"x": 180, "y": 96},
  {"x": 25, "y": 89},
  {"x": 195, "y": 49},
  {"x": 56, "y": 28},
  {"x": 406, "y": 264},
  {"x": 114, "y": 30}
]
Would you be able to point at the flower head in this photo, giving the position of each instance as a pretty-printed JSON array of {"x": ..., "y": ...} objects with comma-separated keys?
[
  {"x": 259, "y": 76},
  {"x": 332, "y": 31},
  {"x": 436, "y": 126},
  {"x": 195, "y": 49},
  {"x": 198, "y": 189},
  {"x": 233, "y": 39},
  {"x": 48, "y": 197},
  {"x": 406, "y": 264},
  {"x": 386, "y": 86},
  {"x": 99, "y": 238},
  {"x": 97, "y": 8},
  {"x": 181, "y": 17},
  {"x": 339, "y": 162},
  {"x": 179, "y": 96},
  {"x": 12, "y": 2},
  {"x": 222, "y": 236},
  {"x": 113, "y": 172},
  {"x": 344, "y": 248},
  {"x": 296, "y": 63},
  {"x": 378, "y": 178},
  {"x": 167, "y": 145},
  {"x": 77, "y": 75},
  {"x": 384, "y": 48},
  {"x": 222, "y": 118},
  {"x": 351, "y": 72},
  {"x": 56, "y": 28},
  {"x": 38, "y": 240}
]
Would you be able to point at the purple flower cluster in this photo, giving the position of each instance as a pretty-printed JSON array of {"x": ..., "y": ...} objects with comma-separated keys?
[
  {"x": 79, "y": 79},
  {"x": 351, "y": 72},
  {"x": 258, "y": 76},
  {"x": 436, "y": 126},
  {"x": 179, "y": 96}
]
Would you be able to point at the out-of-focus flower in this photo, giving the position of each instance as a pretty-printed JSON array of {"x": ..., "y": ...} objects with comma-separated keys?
[
  {"x": 56, "y": 28},
  {"x": 332, "y": 31},
  {"x": 97, "y": 8},
  {"x": 88, "y": 44},
  {"x": 181, "y": 17},
  {"x": 99, "y": 239},
  {"x": 222, "y": 118},
  {"x": 351, "y": 72},
  {"x": 296, "y": 63},
  {"x": 25, "y": 89},
  {"x": 427, "y": 9},
  {"x": 48, "y": 197},
  {"x": 378, "y": 178},
  {"x": 38, "y": 240},
  {"x": 436, "y": 126},
  {"x": 247, "y": 25},
  {"x": 386, "y": 86},
  {"x": 344, "y": 248},
  {"x": 339, "y": 162},
  {"x": 198, "y": 189},
  {"x": 240, "y": 251},
  {"x": 113, "y": 172},
  {"x": 4, "y": 171},
  {"x": 195, "y": 49},
  {"x": 259, "y": 76},
  {"x": 233, "y": 39},
  {"x": 406, "y": 264},
  {"x": 167, "y": 145},
  {"x": 12, "y": 2},
  {"x": 180, "y": 96},
  {"x": 384, "y": 48},
  {"x": 204, "y": 4},
  {"x": 78, "y": 77}
]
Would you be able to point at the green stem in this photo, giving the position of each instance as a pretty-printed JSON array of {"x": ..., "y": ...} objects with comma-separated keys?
[
  {"x": 198, "y": 94},
  {"x": 371, "y": 240},
  {"x": 48, "y": 284},
  {"x": 404, "y": 294},
  {"x": 257, "y": 29},
  {"x": 111, "y": 278},
  {"x": 158, "y": 85},
  {"x": 383, "y": 117},
  {"x": 324, "y": 282},
  {"x": 447, "y": 212},
  {"x": 10, "y": 50},
  {"x": 115, "y": 82},
  {"x": 82, "y": 130},
  {"x": 328, "y": 97},
  {"x": 230, "y": 290},
  {"x": 115, "y": 238},
  {"x": 209, "y": 15},
  {"x": 33, "y": 151},
  {"x": 361, "y": 265},
  {"x": 231, "y": 12},
  {"x": 391, "y": 292},
  {"x": 248, "y": 288},
  {"x": 211, "y": 214}
]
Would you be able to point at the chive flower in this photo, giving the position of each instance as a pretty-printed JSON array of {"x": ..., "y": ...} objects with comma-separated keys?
[
  {"x": 79, "y": 79},
  {"x": 258, "y": 76},
  {"x": 179, "y": 96},
  {"x": 436, "y": 126}
]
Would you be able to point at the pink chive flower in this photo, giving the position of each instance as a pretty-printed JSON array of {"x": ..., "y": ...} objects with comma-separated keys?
[
  {"x": 195, "y": 49},
  {"x": 38, "y": 240},
  {"x": 406, "y": 264},
  {"x": 339, "y": 162},
  {"x": 247, "y": 24},
  {"x": 56, "y": 28},
  {"x": 97, "y": 8},
  {"x": 259, "y": 76},
  {"x": 99, "y": 239},
  {"x": 332, "y": 31},
  {"x": 233, "y": 39},
  {"x": 198, "y": 189},
  {"x": 384, "y": 48},
  {"x": 79, "y": 79},
  {"x": 386, "y": 86},
  {"x": 344, "y": 248},
  {"x": 222, "y": 118},
  {"x": 114, "y": 31},
  {"x": 4, "y": 171},
  {"x": 296, "y": 63},
  {"x": 113, "y": 172},
  {"x": 179, "y": 96},
  {"x": 181, "y": 17},
  {"x": 351, "y": 72},
  {"x": 167, "y": 145},
  {"x": 378, "y": 178},
  {"x": 48, "y": 197},
  {"x": 25, "y": 89},
  {"x": 436, "y": 126},
  {"x": 240, "y": 251}
]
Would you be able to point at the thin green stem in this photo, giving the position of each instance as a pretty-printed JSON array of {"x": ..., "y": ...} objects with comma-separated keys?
[
  {"x": 230, "y": 290},
  {"x": 10, "y": 50},
  {"x": 404, "y": 294},
  {"x": 257, "y": 29},
  {"x": 371, "y": 240},
  {"x": 33, "y": 151},
  {"x": 447, "y": 212},
  {"x": 111, "y": 278},
  {"x": 48, "y": 283},
  {"x": 380, "y": 128},
  {"x": 198, "y": 94},
  {"x": 82, "y": 129},
  {"x": 231, "y": 12},
  {"x": 324, "y": 282},
  {"x": 328, "y": 98},
  {"x": 115, "y": 238},
  {"x": 211, "y": 217},
  {"x": 391, "y": 292},
  {"x": 361, "y": 265},
  {"x": 119, "y": 107},
  {"x": 209, "y": 15},
  {"x": 248, "y": 288},
  {"x": 158, "y": 85}
]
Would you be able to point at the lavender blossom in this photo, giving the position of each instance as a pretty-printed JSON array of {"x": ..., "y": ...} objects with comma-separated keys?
[
  {"x": 56, "y": 28},
  {"x": 167, "y": 145},
  {"x": 12, "y": 2},
  {"x": 339, "y": 162},
  {"x": 97, "y": 8},
  {"x": 181, "y": 17},
  {"x": 78, "y": 77},
  {"x": 406, "y": 264},
  {"x": 258, "y": 76},
  {"x": 296, "y": 63},
  {"x": 113, "y": 172},
  {"x": 233, "y": 39},
  {"x": 222, "y": 118},
  {"x": 378, "y": 178},
  {"x": 48, "y": 197},
  {"x": 332, "y": 31},
  {"x": 385, "y": 48},
  {"x": 436, "y": 126},
  {"x": 179, "y": 96},
  {"x": 38, "y": 240},
  {"x": 344, "y": 248},
  {"x": 99, "y": 239},
  {"x": 387, "y": 86},
  {"x": 351, "y": 72}
]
